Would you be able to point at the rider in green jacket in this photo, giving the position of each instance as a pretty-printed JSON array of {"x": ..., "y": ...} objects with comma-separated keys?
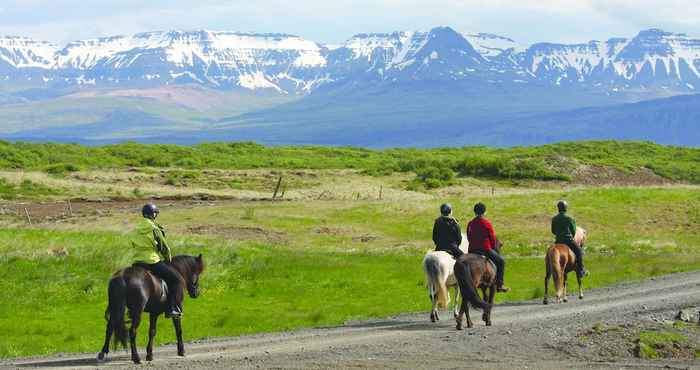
[
  {"x": 153, "y": 253},
  {"x": 564, "y": 229}
]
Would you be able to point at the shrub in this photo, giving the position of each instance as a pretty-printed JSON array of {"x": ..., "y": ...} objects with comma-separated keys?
[{"x": 61, "y": 168}]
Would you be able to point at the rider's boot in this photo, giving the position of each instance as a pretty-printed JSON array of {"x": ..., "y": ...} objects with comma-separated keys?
[
  {"x": 581, "y": 271},
  {"x": 501, "y": 288},
  {"x": 173, "y": 310}
]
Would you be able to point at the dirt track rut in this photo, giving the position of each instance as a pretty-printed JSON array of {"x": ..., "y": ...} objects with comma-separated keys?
[{"x": 524, "y": 335}]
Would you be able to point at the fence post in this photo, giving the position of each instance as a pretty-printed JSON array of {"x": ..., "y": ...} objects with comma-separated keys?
[
  {"x": 381, "y": 188},
  {"x": 277, "y": 188},
  {"x": 70, "y": 208},
  {"x": 26, "y": 212}
]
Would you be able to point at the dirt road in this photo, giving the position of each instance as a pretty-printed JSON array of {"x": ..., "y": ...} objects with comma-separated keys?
[{"x": 524, "y": 335}]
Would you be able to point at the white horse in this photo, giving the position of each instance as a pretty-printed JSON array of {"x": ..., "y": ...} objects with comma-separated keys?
[{"x": 439, "y": 272}]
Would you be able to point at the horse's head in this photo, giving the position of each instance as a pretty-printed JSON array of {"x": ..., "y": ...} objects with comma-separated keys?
[
  {"x": 190, "y": 268},
  {"x": 193, "y": 279}
]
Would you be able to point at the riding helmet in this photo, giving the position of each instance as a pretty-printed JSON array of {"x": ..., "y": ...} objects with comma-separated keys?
[
  {"x": 445, "y": 209},
  {"x": 479, "y": 208},
  {"x": 150, "y": 211},
  {"x": 562, "y": 206}
]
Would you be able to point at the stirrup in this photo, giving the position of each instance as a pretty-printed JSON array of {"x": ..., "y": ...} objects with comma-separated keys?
[{"x": 502, "y": 289}]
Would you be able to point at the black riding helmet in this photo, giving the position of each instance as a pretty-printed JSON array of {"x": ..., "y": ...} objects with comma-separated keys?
[
  {"x": 150, "y": 211},
  {"x": 562, "y": 206},
  {"x": 479, "y": 208},
  {"x": 445, "y": 209}
]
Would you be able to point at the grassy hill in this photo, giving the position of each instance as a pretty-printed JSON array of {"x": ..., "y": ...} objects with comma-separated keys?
[{"x": 563, "y": 161}]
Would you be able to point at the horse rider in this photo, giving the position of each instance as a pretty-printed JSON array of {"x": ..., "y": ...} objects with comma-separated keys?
[
  {"x": 482, "y": 240},
  {"x": 564, "y": 228},
  {"x": 447, "y": 235},
  {"x": 154, "y": 254}
]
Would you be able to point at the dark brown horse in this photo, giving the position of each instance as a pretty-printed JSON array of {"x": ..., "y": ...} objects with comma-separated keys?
[
  {"x": 137, "y": 290},
  {"x": 559, "y": 261},
  {"x": 473, "y": 272}
]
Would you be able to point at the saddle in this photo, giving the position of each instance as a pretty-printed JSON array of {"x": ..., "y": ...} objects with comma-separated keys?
[
  {"x": 163, "y": 283},
  {"x": 493, "y": 265},
  {"x": 164, "y": 289}
]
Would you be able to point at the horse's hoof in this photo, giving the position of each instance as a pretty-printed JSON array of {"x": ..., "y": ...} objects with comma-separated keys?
[
  {"x": 459, "y": 326},
  {"x": 545, "y": 302},
  {"x": 488, "y": 323},
  {"x": 149, "y": 357},
  {"x": 137, "y": 361},
  {"x": 580, "y": 297},
  {"x": 101, "y": 356},
  {"x": 181, "y": 353},
  {"x": 566, "y": 300},
  {"x": 432, "y": 318}
]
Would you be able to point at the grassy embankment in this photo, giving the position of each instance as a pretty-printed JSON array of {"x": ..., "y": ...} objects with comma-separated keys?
[
  {"x": 276, "y": 266},
  {"x": 315, "y": 269}
]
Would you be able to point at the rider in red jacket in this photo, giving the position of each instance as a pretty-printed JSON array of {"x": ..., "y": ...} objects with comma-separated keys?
[{"x": 482, "y": 240}]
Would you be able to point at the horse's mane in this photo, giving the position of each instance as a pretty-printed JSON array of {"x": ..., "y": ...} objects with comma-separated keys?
[{"x": 184, "y": 263}]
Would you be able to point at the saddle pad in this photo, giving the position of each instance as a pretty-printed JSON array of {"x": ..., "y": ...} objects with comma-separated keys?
[{"x": 493, "y": 265}]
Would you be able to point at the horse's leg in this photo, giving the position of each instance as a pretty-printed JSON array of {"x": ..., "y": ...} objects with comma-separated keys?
[
  {"x": 178, "y": 332},
  {"x": 460, "y": 316},
  {"x": 580, "y": 288},
  {"x": 432, "y": 303},
  {"x": 105, "y": 347},
  {"x": 484, "y": 293},
  {"x": 151, "y": 334},
  {"x": 458, "y": 301},
  {"x": 470, "y": 324},
  {"x": 135, "y": 321},
  {"x": 492, "y": 295},
  {"x": 566, "y": 284},
  {"x": 547, "y": 276}
]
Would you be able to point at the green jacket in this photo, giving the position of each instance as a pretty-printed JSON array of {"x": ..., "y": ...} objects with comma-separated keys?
[
  {"x": 149, "y": 243},
  {"x": 563, "y": 227}
]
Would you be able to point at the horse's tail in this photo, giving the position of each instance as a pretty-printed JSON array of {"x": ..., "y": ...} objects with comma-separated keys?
[
  {"x": 436, "y": 282},
  {"x": 557, "y": 271},
  {"x": 117, "y": 309},
  {"x": 466, "y": 286}
]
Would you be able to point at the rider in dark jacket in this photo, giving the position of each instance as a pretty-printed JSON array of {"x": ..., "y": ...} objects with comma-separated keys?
[
  {"x": 482, "y": 240},
  {"x": 447, "y": 235},
  {"x": 564, "y": 229}
]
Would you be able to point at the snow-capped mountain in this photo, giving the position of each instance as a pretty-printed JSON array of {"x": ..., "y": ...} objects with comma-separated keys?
[{"x": 653, "y": 60}]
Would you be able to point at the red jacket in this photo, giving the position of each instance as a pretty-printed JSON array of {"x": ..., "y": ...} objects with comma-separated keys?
[{"x": 480, "y": 234}]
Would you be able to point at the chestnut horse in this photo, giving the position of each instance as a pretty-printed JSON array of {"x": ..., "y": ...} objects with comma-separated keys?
[
  {"x": 474, "y": 271},
  {"x": 137, "y": 290},
  {"x": 559, "y": 261}
]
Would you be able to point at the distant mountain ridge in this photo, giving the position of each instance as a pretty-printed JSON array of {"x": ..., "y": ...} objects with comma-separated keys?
[{"x": 654, "y": 61}]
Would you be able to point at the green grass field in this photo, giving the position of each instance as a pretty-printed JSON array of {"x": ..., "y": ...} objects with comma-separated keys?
[{"x": 284, "y": 265}]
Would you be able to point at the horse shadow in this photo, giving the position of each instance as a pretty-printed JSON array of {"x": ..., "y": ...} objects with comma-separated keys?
[
  {"x": 394, "y": 325},
  {"x": 67, "y": 363}
]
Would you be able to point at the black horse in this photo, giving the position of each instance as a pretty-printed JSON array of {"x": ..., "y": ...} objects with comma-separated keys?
[{"x": 136, "y": 289}]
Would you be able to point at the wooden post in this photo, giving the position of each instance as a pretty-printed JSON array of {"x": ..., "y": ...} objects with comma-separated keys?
[
  {"x": 277, "y": 188},
  {"x": 26, "y": 212},
  {"x": 381, "y": 188},
  {"x": 70, "y": 208}
]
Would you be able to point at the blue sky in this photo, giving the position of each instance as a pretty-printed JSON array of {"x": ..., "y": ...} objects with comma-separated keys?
[{"x": 333, "y": 21}]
